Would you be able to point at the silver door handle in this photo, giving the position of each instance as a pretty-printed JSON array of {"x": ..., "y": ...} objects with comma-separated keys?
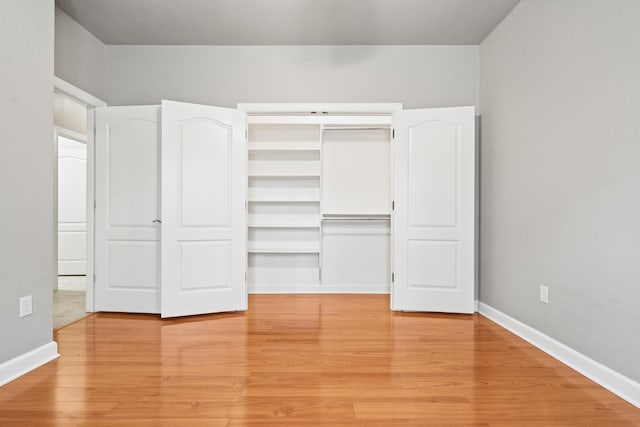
[{"x": 156, "y": 221}]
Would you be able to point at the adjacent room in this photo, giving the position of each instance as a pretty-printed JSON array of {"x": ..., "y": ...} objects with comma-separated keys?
[{"x": 383, "y": 212}]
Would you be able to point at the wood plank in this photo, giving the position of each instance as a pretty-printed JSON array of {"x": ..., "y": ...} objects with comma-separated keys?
[{"x": 304, "y": 360}]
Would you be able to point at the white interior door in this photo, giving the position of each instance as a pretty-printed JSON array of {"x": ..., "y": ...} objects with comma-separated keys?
[
  {"x": 72, "y": 208},
  {"x": 127, "y": 209},
  {"x": 204, "y": 182},
  {"x": 433, "y": 221}
]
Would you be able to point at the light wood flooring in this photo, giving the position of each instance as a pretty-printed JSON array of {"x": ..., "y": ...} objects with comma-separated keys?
[
  {"x": 69, "y": 300},
  {"x": 295, "y": 360}
]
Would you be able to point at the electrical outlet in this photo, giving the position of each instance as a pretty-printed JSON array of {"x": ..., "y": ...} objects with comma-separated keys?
[
  {"x": 544, "y": 294},
  {"x": 26, "y": 306}
]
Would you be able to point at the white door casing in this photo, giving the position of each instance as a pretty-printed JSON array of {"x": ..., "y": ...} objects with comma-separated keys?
[
  {"x": 433, "y": 220},
  {"x": 204, "y": 185},
  {"x": 127, "y": 207},
  {"x": 72, "y": 214}
]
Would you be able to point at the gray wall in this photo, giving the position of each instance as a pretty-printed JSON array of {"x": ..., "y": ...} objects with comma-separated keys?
[
  {"x": 418, "y": 76},
  {"x": 560, "y": 106},
  {"x": 79, "y": 56},
  {"x": 26, "y": 173}
]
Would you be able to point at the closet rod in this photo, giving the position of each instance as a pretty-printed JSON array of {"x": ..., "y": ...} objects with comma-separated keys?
[
  {"x": 356, "y": 219},
  {"x": 355, "y": 128}
]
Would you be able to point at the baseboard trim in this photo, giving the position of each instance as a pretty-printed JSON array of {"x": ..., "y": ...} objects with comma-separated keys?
[
  {"x": 27, "y": 362},
  {"x": 622, "y": 386},
  {"x": 319, "y": 289}
]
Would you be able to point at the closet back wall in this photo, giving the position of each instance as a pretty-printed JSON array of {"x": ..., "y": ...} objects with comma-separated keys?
[{"x": 417, "y": 76}]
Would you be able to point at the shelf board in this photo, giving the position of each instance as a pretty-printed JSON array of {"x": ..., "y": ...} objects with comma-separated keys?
[
  {"x": 326, "y": 119},
  {"x": 285, "y": 146},
  {"x": 283, "y": 221},
  {"x": 283, "y": 247},
  {"x": 284, "y": 195},
  {"x": 284, "y": 168},
  {"x": 281, "y": 225}
]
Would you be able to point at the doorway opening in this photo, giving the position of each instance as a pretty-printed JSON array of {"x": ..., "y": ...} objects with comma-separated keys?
[{"x": 70, "y": 142}]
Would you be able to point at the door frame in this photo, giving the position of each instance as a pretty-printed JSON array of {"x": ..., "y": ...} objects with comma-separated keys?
[
  {"x": 323, "y": 111},
  {"x": 365, "y": 108},
  {"x": 68, "y": 90}
]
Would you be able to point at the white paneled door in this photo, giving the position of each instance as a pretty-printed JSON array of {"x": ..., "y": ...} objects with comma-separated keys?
[
  {"x": 127, "y": 209},
  {"x": 204, "y": 182},
  {"x": 433, "y": 221},
  {"x": 72, "y": 207}
]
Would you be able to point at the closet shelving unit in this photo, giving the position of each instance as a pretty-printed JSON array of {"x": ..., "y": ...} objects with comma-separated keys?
[{"x": 284, "y": 201}]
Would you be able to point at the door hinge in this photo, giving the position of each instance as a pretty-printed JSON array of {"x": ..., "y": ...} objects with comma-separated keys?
[
  {"x": 246, "y": 134},
  {"x": 320, "y": 274},
  {"x": 245, "y": 277},
  {"x": 393, "y": 134},
  {"x": 393, "y": 277},
  {"x": 393, "y": 205},
  {"x": 94, "y": 278},
  {"x": 94, "y": 204}
]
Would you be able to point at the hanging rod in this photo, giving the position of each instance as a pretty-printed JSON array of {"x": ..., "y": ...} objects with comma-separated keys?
[
  {"x": 355, "y": 217},
  {"x": 355, "y": 128},
  {"x": 363, "y": 218}
]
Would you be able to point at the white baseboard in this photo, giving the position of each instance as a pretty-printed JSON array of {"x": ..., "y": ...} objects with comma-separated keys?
[
  {"x": 613, "y": 381},
  {"x": 20, "y": 365},
  {"x": 318, "y": 289}
]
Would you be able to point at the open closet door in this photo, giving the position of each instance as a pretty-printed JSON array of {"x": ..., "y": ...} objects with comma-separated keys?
[
  {"x": 204, "y": 181},
  {"x": 433, "y": 220},
  {"x": 127, "y": 209}
]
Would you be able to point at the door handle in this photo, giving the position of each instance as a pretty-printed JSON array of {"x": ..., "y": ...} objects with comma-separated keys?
[{"x": 156, "y": 221}]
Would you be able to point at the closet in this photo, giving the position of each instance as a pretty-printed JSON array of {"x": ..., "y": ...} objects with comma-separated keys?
[
  {"x": 196, "y": 206},
  {"x": 319, "y": 203}
]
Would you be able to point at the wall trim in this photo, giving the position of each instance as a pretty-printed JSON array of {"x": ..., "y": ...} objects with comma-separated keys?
[
  {"x": 332, "y": 107},
  {"x": 65, "y": 88},
  {"x": 319, "y": 289},
  {"x": 622, "y": 386},
  {"x": 68, "y": 90},
  {"x": 27, "y": 362}
]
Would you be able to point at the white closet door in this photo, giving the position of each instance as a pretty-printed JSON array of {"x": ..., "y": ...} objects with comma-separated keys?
[
  {"x": 72, "y": 206},
  {"x": 433, "y": 221},
  {"x": 127, "y": 209},
  {"x": 204, "y": 181}
]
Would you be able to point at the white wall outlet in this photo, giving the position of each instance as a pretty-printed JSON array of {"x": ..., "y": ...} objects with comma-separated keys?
[
  {"x": 26, "y": 306},
  {"x": 544, "y": 294}
]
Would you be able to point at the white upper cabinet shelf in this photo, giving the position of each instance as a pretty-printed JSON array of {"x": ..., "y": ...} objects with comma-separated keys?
[{"x": 321, "y": 119}]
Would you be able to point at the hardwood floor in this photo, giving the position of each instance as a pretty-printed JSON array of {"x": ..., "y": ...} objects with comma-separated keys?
[{"x": 304, "y": 360}]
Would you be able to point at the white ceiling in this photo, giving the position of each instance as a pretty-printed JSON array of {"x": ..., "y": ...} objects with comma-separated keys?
[{"x": 288, "y": 22}]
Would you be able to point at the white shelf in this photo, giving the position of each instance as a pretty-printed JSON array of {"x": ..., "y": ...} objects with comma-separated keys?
[
  {"x": 283, "y": 221},
  {"x": 284, "y": 168},
  {"x": 325, "y": 119},
  {"x": 285, "y": 146},
  {"x": 272, "y": 247},
  {"x": 284, "y": 194}
]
